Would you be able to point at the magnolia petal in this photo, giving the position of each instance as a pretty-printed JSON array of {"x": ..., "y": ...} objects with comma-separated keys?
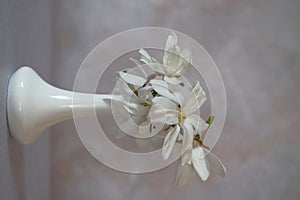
[
  {"x": 171, "y": 41},
  {"x": 151, "y": 62},
  {"x": 180, "y": 178},
  {"x": 135, "y": 61},
  {"x": 172, "y": 80},
  {"x": 132, "y": 79},
  {"x": 198, "y": 123},
  {"x": 171, "y": 67},
  {"x": 171, "y": 54},
  {"x": 179, "y": 97},
  {"x": 134, "y": 104},
  {"x": 193, "y": 101},
  {"x": 169, "y": 142},
  {"x": 186, "y": 158},
  {"x": 170, "y": 45},
  {"x": 157, "y": 67},
  {"x": 113, "y": 97},
  {"x": 118, "y": 107},
  {"x": 188, "y": 136},
  {"x": 183, "y": 69},
  {"x": 184, "y": 62},
  {"x": 198, "y": 97},
  {"x": 216, "y": 164},
  {"x": 145, "y": 54},
  {"x": 165, "y": 103},
  {"x": 186, "y": 56},
  {"x": 199, "y": 162},
  {"x": 146, "y": 61},
  {"x": 183, "y": 174},
  {"x": 136, "y": 109},
  {"x": 125, "y": 92},
  {"x": 157, "y": 113},
  {"x": 162, "y": 88},
  {"x": 171, "y": 64},
  {"x": 145, "y": 94}
]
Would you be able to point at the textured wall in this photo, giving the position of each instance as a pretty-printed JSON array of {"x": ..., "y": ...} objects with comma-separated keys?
[
  {"x": 25, "y": 39},
  {"x": 256, "y": 45}
]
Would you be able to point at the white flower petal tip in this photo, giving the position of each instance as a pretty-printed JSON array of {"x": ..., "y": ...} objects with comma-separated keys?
[
  {"x": 186, "y": 158},
  {"x": 171, "y": 41},
  {"x": 169, "y": 142},
  {"x": 183, "y": 174},
  {"x": 185, "y": 62},
  {"x": 132, "y": 79},
  {"x": 172, "y": 80},
  {"x": 198, "y": 97},
  {"x": 200, "y": 163},
  {"x": 187, "y": 137},
  {"x": 144, "y": 53},
  {"x": 216, "y": 165},
  {"x": 136, "y": 62}
]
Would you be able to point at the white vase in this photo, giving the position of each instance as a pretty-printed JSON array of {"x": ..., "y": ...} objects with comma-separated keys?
[{"x": 34, "y": 105}]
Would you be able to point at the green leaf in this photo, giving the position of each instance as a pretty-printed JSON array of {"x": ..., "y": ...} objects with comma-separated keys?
[
  {"x": 181, "y": 84},
  {"x": 210, "y": 119},
  {"x": 154, "y": 93},
  {"x": 131, "y": 87}
]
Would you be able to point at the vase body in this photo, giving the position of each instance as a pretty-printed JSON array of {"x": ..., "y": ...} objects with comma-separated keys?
[{"x": 34, "y": 105}]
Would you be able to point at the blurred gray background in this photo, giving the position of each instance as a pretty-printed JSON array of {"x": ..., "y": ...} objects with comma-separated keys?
[{"x": 256, "y": 45}]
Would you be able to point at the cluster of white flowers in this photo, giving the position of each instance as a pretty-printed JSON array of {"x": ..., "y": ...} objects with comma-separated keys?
[{"x": 155, "y": 98}]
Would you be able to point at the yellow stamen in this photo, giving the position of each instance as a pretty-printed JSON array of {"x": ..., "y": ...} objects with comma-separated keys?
[
  {"x": 181, "y": 117},
  {"x": 144, "y": 104}
]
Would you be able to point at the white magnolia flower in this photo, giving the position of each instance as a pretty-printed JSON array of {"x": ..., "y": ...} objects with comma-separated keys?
[
  {"x": 136, "y": 97},
  {"x": 179, "y": 116},
  {"x": 134, "y": 100},
  {"x": 145, "y": 103},
  {"x": 201, "y": 160},
  {"x": 175, "y": 62}
]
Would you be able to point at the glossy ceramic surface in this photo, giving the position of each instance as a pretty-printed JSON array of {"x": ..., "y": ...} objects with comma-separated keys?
[{"x": 34, "y": 105}]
